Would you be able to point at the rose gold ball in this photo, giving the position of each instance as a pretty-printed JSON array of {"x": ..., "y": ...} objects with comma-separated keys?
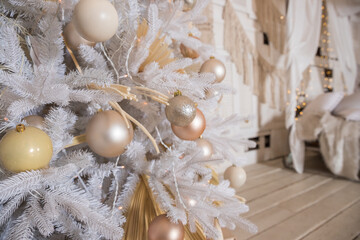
[
  {"x": 73, "y": 38},
  {"x": 162, "y": 229},
  {"x": 95, "y": 20},
  {"x": 35, "y": 121},
  {"x": 181, "y": 111},
  {"x": 193, "y": 130},
  {"x": 205, "y": 147},
  {"x": 107, "y": 134},
  {"x": 214, "y": 66}
]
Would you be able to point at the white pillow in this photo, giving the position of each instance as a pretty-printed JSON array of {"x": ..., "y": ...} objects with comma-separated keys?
[
  {"x": 352, "y": 114},
  {"x": 348, "y": 102},
  {"x": 325, "y": 102}
]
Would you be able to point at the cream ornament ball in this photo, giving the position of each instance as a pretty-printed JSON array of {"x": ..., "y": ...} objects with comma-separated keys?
[
  {"x": 189, "y": 5},
  {"x": 25, "y": 148},
  {"x": 206, "y": 148},
  {"x": 216, "y": 67},
  {"x": 107, "y": 134},
  {"x": 236, "y": 176},
  {"x": 35, "y": 121},
  {"x": 95, "y": 20},
  {"x": 73, "y": 38}
]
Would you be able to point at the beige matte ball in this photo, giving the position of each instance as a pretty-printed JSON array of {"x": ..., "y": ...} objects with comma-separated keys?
[
  {"x": 236, "y": 176},
  {"x": 95, "y": 20},
  {"x": 214, "y": 66},
  {"x": 25, "y": 148},
  {"x": 107, "y": 134},
  {"x": 73, "y": 38},
  {"x": 35, "y": 121}
]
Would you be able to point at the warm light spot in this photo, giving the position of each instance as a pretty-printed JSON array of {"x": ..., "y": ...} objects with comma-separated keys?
[
  {"x": 301, "y": 113},
  {"x": 281, "y": 17},
  {"x": 145, "y": 103},
  {"x": 120, "y": 207},
  {"x": 288, "y": 91},
  {"x": 304, "y": 103}
]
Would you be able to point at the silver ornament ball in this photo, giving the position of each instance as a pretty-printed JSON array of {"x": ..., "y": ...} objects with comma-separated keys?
[{"x": 181, "y": 111}]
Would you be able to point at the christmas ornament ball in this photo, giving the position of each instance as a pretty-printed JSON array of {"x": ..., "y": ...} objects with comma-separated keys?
[
  {"x": 236, "y": 176},
  {"x": 161, "y": 228},
  {"x": 214, "y": 66},
  {"x": 95, "y": 20},
  {"x": 206, "y": 148},
  {"x": 107, "y": 134},
  {"x": 188, "y": 52},
  {"x": 35, "y": 121},
  {"x": 193, "y": 130},
  {"x": 181, "y": 111},
  {"x": 73, "y": 38},
  {"x": 189, "y": 5},
  {"x": 25, "y": 148}
]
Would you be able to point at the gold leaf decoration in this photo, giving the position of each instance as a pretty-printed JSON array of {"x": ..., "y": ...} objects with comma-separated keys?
[
  {"x": 158, "y": 51},
  {"x": 143, "y": 209}
]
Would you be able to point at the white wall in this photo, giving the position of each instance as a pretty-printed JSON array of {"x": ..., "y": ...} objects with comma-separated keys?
[{"x": 262, "y": 120}]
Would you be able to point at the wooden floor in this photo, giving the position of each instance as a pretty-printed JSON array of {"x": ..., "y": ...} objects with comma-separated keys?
[{"x": 312, "y": 206}]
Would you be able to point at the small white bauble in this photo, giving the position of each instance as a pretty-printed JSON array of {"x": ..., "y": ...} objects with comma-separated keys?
[
  {"x": 95, "y": 20},
  {"x": 236, "y": 176},
  {"x": 73, "y": 38}
]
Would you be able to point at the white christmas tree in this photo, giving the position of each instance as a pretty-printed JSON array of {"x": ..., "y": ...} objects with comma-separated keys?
[{"x": 103, "y": 107}]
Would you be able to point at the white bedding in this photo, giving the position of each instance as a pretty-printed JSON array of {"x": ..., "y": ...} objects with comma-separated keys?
[{"x": 339, "y": 143}]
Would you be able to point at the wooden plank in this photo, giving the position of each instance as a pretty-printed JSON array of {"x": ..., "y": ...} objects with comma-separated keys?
[
  {"x": 272, "y": 186},
  {"x": 274, "y": 163},
  {"x": 314, "y": 195},
  {"x": 311, "y": 218},
  {"x": 264, "y": 220},
  {"x": 251, "y": 183},
  {"x": 252, "y": 167},
  {"x": 344, "y": 226},
  {"x": 261, "y": 172},
  {"x": 284, "y": 194}
]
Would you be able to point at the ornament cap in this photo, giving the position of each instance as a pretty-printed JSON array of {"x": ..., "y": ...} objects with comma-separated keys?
[
  {"x": 20, "y": 128},
  {"x": 212, "y": 57},
  {"x": 177, "y": 93}
]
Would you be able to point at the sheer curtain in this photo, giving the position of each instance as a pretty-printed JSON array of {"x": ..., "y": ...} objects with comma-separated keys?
[
  {"x": 341, "y": 33},
  {"x": 302, "y": 39}
]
